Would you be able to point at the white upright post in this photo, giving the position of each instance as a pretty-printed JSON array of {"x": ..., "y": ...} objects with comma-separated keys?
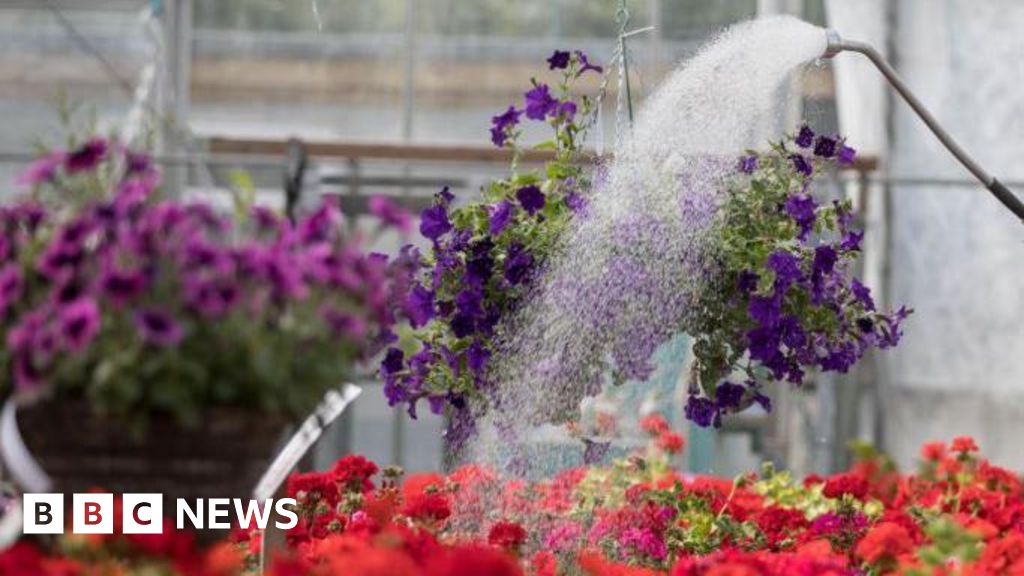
[{"x": 173, "y": 96}]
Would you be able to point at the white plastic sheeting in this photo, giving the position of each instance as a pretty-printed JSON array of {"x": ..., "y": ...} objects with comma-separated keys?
[{"x": 955, "y": 254}]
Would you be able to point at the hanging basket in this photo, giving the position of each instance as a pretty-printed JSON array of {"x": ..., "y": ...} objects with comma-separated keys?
[{"x": 80, "y": 450}]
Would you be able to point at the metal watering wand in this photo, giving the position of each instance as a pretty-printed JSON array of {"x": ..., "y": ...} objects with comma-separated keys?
[{"x": 837, "y": 44}]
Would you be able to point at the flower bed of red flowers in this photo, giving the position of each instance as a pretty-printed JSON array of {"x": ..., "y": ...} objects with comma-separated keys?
[{"x": 958, "y": 514}]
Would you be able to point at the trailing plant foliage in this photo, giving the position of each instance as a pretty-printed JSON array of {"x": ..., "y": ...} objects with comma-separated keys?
[
  {"x": 484, "y": 254},
  {"x": 783, "y": 301},
  {"x": 140, "y": 304}
]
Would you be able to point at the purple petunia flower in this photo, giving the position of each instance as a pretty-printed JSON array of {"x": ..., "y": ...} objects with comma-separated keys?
[
  {"x": 121, "y": 286},
  {"x": 729, "y": 395},
  {"x": 531, "y": 198},
  {"x": 747, "y": 281},
  {"x": 825, "y": 258},
  {"x": 825, "y": 147},
  {"x": 791, "y": 332},
  {"x": 390, "y": 214},
  {"x": 476, "y": 357},
  {"x": 26, "y": 375},
  {"x": 765, "y": 309},
  {"x": 394, "y": 361},
  {"x": 863, "y": 294},
  {"x": 501, "y": 215},
  {"x": 480, "y": 263},
  {"x": 213, "y": 298},
  {"x": 202, "y": 256},
  {"x": 468, "y": 302},
  {"x": 576, "y": 202},
  {"x": 891, "y": 334},
  {"x": 764, "y": 401},
  {"x": 343, "y": 324},
  {"x": 10, "y": 286},
  {"x": 419, "y": 306},
  {"x": 79, "y": 323},
  {"x": 801, "y": 165},
  {"x": 501, "y": 123},
  {"x": 445, "y": 196},
  {"x": 158, "y": 328},
  {"x": 748, "y": 164},
  {"x": 518, "y": 263},
  {"x": 800, "y": 208},
  {"x": 702, "y": 412},
  {"x": 805, "y": 137},
  {"x": 42, "y": 170},
  {"x": 132, "y": 193},
  {"x": 585, "y": 64},
  {"x": 559, "y": 60},
  {"x": 396, "y": 392},
  {"x": 28, "y": 213},
  {"x": 594, "y": 452},
  {"x": 566, "y": 111},
  {"x": 266, "y": 219},
  {"x": 86, "y": 157},
  {"x": 846, "y": 154},
  {"x": 67, "y": 290},
  {"x": 539, "y": 103},
  {"x": 434, "y": 222},
  {"x": 851, "y": 242},
  {"x": 137, "y": 162},
  {"x": 462, "y": 325},
  {"x": 786, "y": 267},
  {"x": 763, "y": 344}
]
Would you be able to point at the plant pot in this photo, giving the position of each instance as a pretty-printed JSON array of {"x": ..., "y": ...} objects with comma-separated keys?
[{"x": 81, "y": 450}]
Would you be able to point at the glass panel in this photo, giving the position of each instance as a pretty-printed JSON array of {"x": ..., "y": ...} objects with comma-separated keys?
[
  {"x": 329, "y": 69},
  {"x": 87, "y": 59}
]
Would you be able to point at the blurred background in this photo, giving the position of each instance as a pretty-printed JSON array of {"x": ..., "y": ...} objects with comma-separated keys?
[{"x": 394, "y": 97}]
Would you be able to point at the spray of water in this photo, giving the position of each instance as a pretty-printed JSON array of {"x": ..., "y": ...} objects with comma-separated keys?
[{"x": 626, "y": 275}]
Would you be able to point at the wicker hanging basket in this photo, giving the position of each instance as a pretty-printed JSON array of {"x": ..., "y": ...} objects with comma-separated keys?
[{"x": 81, "y": 450}]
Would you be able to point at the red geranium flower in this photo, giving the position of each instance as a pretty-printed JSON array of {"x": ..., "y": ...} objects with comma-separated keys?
[
  {"x": 1002, "y": 556},
  {"x": 428, "y": 507},
  {"x": 812, "y": 480},
  {"x": 843, "y": 484},
  {"x": 22, "y": 558},
  {"x": 507, "y": 535},
  {"x": 654, "y": 424},
  {"x": 353, "y": 472},
  {"x": 671, "y": 442},
  {"x": 544, "y": 563},
  {"x": 416, "y": 484},
  {"x": 933, "y": 451},
  {"x": 594, "y": 564},
  {"x": 473, "y": 561},
  {"x": 964, "y": 445},
  {"x": 885, "y": 542},
  {"x": 313, "y": 486},
  {"x": 779, "y": 523}
]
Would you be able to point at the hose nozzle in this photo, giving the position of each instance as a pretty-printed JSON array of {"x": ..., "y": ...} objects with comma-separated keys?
[{"x": 836, "y": 44}]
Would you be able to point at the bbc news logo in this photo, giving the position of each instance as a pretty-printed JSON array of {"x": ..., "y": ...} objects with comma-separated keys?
[{"x": 93, "y": 513}]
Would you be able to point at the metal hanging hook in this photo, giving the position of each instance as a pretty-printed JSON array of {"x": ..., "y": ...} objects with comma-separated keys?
[{"x": 622, "y": 16}]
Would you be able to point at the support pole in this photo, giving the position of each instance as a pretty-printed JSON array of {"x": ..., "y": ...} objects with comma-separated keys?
[{"x": 173, "y": 94}]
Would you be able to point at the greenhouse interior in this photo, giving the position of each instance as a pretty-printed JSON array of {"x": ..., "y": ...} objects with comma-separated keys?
[{"x": 532, "y": 288}]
